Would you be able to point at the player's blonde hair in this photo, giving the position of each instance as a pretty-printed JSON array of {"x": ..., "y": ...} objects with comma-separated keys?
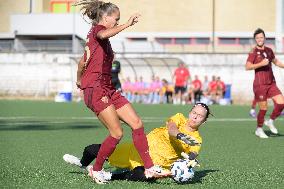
[{"x": 95, "y": 9}]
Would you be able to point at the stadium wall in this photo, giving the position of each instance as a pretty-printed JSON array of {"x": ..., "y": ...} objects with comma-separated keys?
[{"x": 44, "y": 75}]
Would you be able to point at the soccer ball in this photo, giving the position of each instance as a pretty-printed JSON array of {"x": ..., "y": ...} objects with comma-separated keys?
[{"x": 181, "y": 172}]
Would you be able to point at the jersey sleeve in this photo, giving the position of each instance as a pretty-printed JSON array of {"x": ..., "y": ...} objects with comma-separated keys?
[
  {"x": 272, "y": 54},
  {"x": 251, "y": 57},
  {"x": 187, "y": 148},
  {"x": 195, "y": 149},
  {"x": 97, "y": 29}
]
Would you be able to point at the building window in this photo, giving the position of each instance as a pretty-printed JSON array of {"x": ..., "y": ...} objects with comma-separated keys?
[
  {"x": 164, "y": 41},
  {"x": 182, "y": 41},
  {"x": 62, "y": 6},
  {"x": 245, "y": 41},
  {"x": 270, "y": 41},
  {"x": 202, "y": 41},
  {"x": 227, "y": 41},
  {"x": 137, "y": 39}
]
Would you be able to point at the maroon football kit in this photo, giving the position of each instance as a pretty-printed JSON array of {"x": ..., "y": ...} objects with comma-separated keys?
[
  {"x": 264, "y": 85},
  {"x": 99, "y": 93}
]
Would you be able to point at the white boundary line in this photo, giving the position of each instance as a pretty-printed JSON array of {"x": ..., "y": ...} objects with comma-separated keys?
[{"x": 144, "y": 119}]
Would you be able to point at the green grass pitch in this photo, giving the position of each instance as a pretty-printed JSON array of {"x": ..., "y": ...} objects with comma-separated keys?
[{"x": 34, "y": 135}]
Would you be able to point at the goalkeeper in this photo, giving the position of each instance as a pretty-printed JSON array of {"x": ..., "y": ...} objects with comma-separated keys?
[{"x": 165, "y": 146}]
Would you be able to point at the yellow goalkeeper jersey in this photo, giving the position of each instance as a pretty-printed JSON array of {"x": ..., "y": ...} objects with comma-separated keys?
[{"x": 163, "y": 149}]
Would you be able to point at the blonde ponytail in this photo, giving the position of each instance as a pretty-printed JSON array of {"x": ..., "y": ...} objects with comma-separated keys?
[{"x": 95, "y": 9}]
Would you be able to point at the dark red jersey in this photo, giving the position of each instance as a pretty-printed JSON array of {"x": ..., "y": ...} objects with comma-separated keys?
[
  {"x": 263, "y": 75},
  {"x": 98, "y": 57}
]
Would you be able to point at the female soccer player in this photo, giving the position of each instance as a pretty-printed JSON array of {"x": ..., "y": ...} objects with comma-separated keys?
[
  {"x": 94, "y": 77},
  {"x": 264, "y": 85},
  {"x": 165, "y": 146}
]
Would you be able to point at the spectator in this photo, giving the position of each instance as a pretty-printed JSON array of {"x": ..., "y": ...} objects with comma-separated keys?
[
  {"x": 195, "y": 90},
  {"x": 151, "y": 90},
  {"x": 127, "y": 89},
  {"x": 205, "y": 86},
  {"x": 166, "y": 92},
  {"x": 213, "y": 89},
  {"x": 157, "y": 88},
  {"x": 221, "y": 88},
  {"x": 181, "y": 77}
]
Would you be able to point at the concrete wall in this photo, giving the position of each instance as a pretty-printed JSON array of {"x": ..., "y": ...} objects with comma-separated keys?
[{"x": 44, "y": 74}]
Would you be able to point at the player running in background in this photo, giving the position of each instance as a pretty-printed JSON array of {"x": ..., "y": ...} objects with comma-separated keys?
[
  {"x": 94, "y": 77},
  {"x": 180, "y": 134},
  {"x": 264, "y": 85}
]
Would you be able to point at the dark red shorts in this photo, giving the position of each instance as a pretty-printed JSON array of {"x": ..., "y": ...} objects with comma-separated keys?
[
  {"x": 101, "y": 96},
  {"x": 263, "y": 92}
]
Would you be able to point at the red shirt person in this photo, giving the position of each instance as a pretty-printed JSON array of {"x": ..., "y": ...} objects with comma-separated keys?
[
  {"x": 213, "y": 86},
  {"x": 94, "y": 77},
  {"x": 196, "y": 83},
  {"x": 221, "y": 87},
  {"x": 195, "y": 90},
  {"x": 181, "y": 76},
  {"x": 260, "y": 59}
]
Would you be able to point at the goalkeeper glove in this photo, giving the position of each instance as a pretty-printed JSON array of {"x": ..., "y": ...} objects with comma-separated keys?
[
  {"x": 188, "y": 139},
  {"x": 191, "y": 162}
]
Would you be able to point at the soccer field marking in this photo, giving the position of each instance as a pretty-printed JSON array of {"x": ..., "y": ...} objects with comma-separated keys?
[{"x": 145, "y": 119}]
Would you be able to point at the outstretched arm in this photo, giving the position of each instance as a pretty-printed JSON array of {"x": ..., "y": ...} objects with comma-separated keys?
[
  {"x": 278, "y": 63},
  {"x": 105, "y": 34}
]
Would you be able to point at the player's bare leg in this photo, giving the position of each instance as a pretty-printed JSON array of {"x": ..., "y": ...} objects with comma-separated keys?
[{"x": 111, "y": 121}]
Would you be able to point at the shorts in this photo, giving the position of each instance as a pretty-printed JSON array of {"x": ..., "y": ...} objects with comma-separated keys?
[
  {"x": 100, "y": 96},
  {"x": 180, "y": 88},
  {"x": 263, "y": 92}
]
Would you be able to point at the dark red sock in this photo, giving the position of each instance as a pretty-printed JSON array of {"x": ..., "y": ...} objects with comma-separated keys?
[
  {"x": 276, "y": 111},
  {"x": 260, "y": 117},
  {"x": 106, "y": 149},
  {"x": 141, "y": 144}
]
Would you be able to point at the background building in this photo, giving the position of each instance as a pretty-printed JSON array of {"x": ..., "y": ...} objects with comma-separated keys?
[
  {"x": 43, "y": 39},
  {"x": 193, "y": 26}
]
